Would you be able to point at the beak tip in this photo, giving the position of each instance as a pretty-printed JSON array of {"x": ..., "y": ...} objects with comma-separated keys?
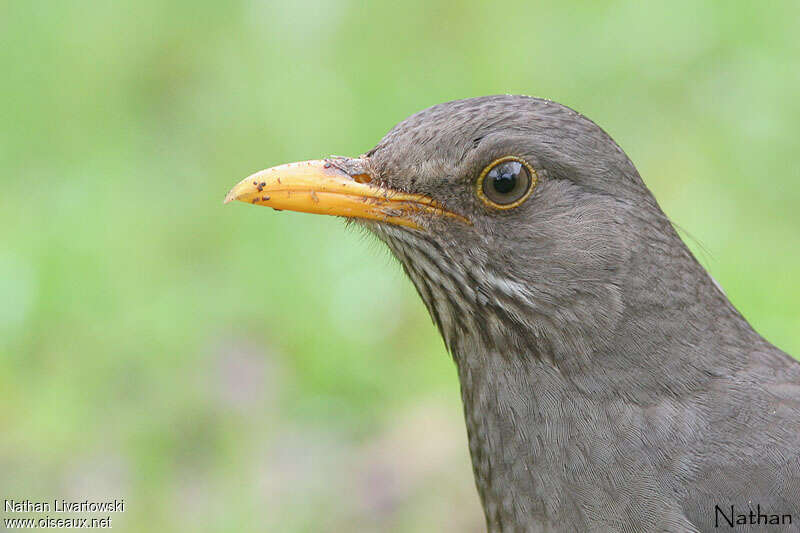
[{"x": 231, "y": 196}]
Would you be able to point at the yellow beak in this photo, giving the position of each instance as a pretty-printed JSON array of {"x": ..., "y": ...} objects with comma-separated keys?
[{"x": 337, "y": 186}]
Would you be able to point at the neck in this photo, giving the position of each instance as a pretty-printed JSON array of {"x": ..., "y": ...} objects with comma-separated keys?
[
  {"x": 544, "y": 361},
  {"x": 534, "y": 423},
  {"x": 525, "y": 403}
]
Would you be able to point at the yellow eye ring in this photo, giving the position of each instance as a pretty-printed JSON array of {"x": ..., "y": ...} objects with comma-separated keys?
[{"x": 506, "y": 182}]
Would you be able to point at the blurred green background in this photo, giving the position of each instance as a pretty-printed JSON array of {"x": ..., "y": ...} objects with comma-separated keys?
[{"x": 229, "y": 368}]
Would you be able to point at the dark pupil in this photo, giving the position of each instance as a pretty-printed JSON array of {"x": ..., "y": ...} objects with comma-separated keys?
[{"x": 504, "y": 176}]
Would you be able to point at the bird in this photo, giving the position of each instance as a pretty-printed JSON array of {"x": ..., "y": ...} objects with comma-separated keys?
[{"x": 607, "y": 381}]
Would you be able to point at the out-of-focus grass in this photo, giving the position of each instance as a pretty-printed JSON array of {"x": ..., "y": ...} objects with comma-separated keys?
[{"x": 230, "y": 369}]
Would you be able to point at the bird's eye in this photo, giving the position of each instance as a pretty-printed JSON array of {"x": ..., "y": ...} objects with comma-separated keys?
[{"x": 506, "y": 182}]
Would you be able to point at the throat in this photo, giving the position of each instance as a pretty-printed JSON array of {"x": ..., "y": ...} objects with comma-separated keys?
[{"x": 516, "y": 428}]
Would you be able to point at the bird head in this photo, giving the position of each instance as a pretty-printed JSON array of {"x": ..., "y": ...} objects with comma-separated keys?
[
  {"x": 516, "y": 218},
  {"x": 590, "y": 344}
]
